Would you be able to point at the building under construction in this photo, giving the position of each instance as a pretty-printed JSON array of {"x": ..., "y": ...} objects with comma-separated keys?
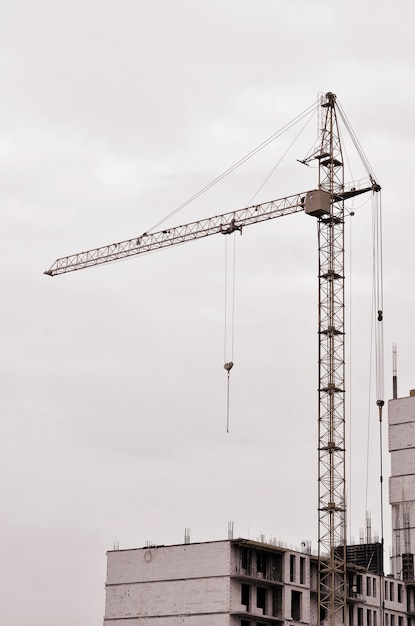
[{"x": 239, "y": 582}]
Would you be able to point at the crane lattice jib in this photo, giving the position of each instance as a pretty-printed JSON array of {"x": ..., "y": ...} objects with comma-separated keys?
[{"x": 226, "y": 224}]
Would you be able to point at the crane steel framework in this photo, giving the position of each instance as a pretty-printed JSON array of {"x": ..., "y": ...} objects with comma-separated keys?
[
  {"x": 331, "y": 417},
  {"x": 326, "y": 204}
]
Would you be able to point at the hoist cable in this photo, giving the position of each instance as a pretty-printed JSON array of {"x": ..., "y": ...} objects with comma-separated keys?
[
  {"x": 376, "y": 357},
  {"x": 229, "y": 349},
  {"x": 229, "y": 364},
  {"x": 350, "y": 500},
  {"x": 235, "y": 166},
  {"x": 227, "y": 402},
  {"x": 379, "y": 340},
  {"x": 356, "y": 142},
  {"x": 369, "y": 397},
  {"x": 311, "y": 115},
  {"x": 377, "y": 349},
  {"x": 345, "y": 154},
  {"x": 233, "y": 294},
  {"x": 225, "y": 333},
  {"x": 378, "y": 278},
  {"x": 229, "y": 353}
]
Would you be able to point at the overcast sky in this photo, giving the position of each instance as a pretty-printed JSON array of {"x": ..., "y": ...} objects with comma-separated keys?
[{"x": 113, "y": 387}]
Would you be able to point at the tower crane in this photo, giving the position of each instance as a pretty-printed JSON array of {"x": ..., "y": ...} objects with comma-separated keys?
[{"x": 326, "y": 204}]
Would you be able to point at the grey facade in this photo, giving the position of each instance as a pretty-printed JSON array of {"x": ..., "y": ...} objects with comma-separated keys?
[{"x": 237, "y": 582}]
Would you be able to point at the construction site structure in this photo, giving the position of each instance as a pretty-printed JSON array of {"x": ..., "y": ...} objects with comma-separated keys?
[
  {"x": 238, "y": 582},
  {"x": 326, "y": 204},
  {"x": 401, "y": 416}
]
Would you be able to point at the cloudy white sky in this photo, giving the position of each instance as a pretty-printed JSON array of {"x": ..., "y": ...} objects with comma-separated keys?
[{"x": 113, "y": 388}]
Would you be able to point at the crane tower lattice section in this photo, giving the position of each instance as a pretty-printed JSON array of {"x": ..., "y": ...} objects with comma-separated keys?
[{"x": 331, "y": 417}]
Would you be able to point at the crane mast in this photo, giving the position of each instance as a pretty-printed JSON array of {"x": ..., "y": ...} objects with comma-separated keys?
[
  {"x": 331, "y": 388},
  {"x": 326, "y": 204}
]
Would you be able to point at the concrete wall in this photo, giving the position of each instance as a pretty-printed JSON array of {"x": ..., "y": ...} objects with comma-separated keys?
[
  {"x": 402, "y": 436},
  {"x": 401, "y": 410},
  {"x": 170, "y": 583},
  {"x": 402, "y": 489},
  {"x": 401, "y": 416},
  {"x": 403, "y": 463},
  {"x": 195, "y": 560},
  {"x": 296, "y": 585},
  {"x": 186, "y": 620}
]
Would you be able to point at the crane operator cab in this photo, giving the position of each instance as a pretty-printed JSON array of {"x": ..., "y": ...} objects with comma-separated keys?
[{"x": 317, "y": 203}]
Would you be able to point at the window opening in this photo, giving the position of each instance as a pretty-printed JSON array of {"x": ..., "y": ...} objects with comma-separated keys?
[
  {"x": 302, "y": 570},
  {"x": 277, "y": 602},
  {"x": 261, "y": 599},
  {"x": 296, "y": 605},
  {"x": 275, "y": 567},
  {"x": 246, "y": 558},
  {"x": 245, "y": 593},
  {"x": 292, "y": 567},
  {"x": 261, "y": 562}
]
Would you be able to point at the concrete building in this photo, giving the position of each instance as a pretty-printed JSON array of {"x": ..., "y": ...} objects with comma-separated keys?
[
  {"x": 236, "y": 582},
  {"x": 401, "y": 413}
]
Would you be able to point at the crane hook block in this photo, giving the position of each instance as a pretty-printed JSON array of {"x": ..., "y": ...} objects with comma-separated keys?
[{"x": 228, "y": 366}]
